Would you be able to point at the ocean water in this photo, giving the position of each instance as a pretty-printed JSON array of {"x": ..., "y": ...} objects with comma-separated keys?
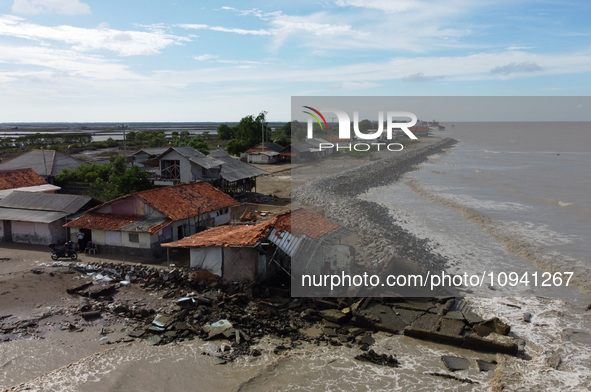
[
  {"x": 509, "y": 197},
  {"x": 513, "y": 197}
]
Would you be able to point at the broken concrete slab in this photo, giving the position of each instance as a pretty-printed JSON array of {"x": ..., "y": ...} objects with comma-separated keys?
[
  {"x": 217, "y": 328},
  {"x": 455, "y": 363},
  {"x": 154, "y": 340},
  {"x": 494, "y": 324},
  {"x": 427, "y": 322},
  {"x": 492, "y": 343},
  {"x": 485, "y": 366},
  {"x": 334, "y": 316},
  {"x": 163, "y": 320},
  {"x": 451, "y": 326}
]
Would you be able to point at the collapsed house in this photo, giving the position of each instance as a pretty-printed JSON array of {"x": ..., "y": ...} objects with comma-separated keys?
[{"x": 257, "y": 252}]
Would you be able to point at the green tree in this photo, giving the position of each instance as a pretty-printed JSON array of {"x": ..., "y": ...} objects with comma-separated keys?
[
  {"x": 250, "y": 129},
  {"x": 225, "y": 132},
  {"x": 236, "y": 147},
  {"x": 199, "y": 144}
]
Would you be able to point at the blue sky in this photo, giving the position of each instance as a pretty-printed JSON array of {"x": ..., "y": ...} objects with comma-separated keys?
[{"x": 190, "y": 60}]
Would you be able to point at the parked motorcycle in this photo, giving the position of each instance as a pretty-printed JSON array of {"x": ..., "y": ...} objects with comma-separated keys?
[{"x": 66, "y": 251}]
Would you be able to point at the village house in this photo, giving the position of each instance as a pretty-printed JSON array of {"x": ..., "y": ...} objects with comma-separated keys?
[
  {"x": 46, "y": 163},
  {"x": 236, "y": 176},
  {"x": 140, "y": 222},
  {"x": 264, "y": 153},
  {"x": 38, "y": 218},
  {"x": 184, "y": 164},
  {"x": 23, "y": 180},
  {"x": 257, "y": 252}
]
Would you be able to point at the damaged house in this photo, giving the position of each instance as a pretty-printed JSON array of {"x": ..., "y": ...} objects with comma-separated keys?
[
  {"x": 260, "y": 251},
  {"x": 140, "y": 222}
]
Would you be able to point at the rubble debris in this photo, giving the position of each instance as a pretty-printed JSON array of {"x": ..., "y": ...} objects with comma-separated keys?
[
  {"x": 527, "y": 317},
  {"x": 217, "y": 328},
  {"x": 485, "y": 366},
  {"x": 452, "y": 377},
  {"x": 91, "y": 315},
  {"x": 378, "y": 359},
  {"x": 455, "y": 363},
  {"x": 248, "y": 311}
]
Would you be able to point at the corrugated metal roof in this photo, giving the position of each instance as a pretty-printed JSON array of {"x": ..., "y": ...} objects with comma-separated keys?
[
  {"x": 206, "y": 162},
  {"x": 43, "y": 162},
  {"x": 188, "y": 152},
  {"x": 151, "y": 151},
  {"x": 36, "y": 188},
  {"x": 266, "y": 147},
  {"x": 146, "y": 224},
  {"x": 45, "y": 201},
  {"x": 233, "y": 169},
  {"x": 15, "y": 214}
]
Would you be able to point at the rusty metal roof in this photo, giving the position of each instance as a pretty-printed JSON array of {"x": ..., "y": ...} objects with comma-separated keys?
[{"x": 20, "y": 178}]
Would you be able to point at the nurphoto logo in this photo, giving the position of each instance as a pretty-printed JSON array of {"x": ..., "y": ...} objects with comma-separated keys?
[{"x": 392, "y": 123}]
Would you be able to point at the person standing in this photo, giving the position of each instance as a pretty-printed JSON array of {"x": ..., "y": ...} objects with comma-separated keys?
[{"x": 80, "y": 241}]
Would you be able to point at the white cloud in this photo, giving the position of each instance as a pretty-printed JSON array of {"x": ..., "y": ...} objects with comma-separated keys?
[
  {"x": 126, "y": 43},
  {"x": 383, "y": 5},
  {"x": 33, "y": 7},
  {"x": 205, "y": 57},
  {"x": 224, "y": 29},
  {"x": 526, "y": 66}
]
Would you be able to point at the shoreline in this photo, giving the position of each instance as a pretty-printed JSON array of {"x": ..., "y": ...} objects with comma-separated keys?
[{"x": 381, "y": 240}]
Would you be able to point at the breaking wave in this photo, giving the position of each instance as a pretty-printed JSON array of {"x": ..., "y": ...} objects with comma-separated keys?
[{"x": 513, "y": 241}]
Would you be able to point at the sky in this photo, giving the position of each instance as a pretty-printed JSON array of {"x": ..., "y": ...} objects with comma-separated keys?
[{"x": 192, "y": 60}]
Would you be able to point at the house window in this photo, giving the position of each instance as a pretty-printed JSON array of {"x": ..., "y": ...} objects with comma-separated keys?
[
  {"x": 134, "y": 237},
  {"x": 170, "y": 169}
]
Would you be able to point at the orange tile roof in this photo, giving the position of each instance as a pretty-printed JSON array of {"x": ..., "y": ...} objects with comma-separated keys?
[
  {"x": 98, "y": 221},
  {"x": 20, "y": 178},
  {"x": 307, "y": 222},
  {"x": 225, "y": 236},
  {"x": 189, "y": 199}
]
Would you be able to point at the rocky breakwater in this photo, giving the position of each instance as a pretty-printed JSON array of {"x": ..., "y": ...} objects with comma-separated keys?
[{"x": 382, "y": 244}]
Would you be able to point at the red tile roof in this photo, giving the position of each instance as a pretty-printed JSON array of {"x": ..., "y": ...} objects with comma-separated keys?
[
  {"x": 98, "y": 221},
  {"x": 175, "y": 202},
  {"x": 225, "y": 236},
  {"x": 307, "y": 222},
  {"x": 20, "y": 178},
  {"x": 189, "y": 199}
]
